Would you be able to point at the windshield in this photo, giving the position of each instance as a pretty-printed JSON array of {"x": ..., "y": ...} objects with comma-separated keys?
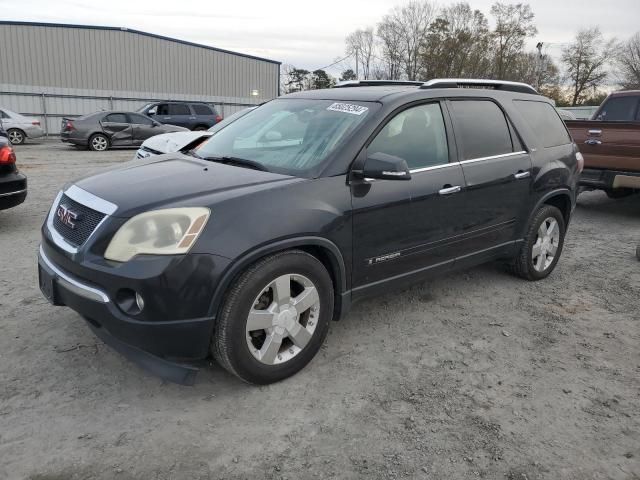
[
  {"x": 290, "y": 136},
  {"x": 230, "y": 119}
]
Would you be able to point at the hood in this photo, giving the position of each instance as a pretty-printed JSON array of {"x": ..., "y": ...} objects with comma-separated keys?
[
  {"x": 172, "y": 142},
  {"x": 168, "y": 180}
]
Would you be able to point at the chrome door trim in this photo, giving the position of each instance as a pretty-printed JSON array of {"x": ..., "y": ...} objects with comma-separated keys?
[
  {"x": 434, "y": 167},
  {"x": 492, "y": 157}
]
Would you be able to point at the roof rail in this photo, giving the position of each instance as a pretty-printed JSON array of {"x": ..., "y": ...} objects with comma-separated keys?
[
  {"x": 479, "y": 83},
  {"x": 376, "y": 83}
]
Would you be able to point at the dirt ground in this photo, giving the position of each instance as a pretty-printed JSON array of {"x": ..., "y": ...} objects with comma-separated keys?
[{"x": 474, "y": 375}]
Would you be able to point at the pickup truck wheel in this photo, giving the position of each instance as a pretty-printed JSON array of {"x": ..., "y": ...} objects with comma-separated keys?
[
  {"x": 542, "y": 245},
  {"x": 619, "y": 192},
  {"x": 274, "y": 318}
]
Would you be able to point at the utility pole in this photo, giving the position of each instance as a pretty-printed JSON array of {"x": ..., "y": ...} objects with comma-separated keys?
[
  {"x": 540, "y": 65},
  {"x": 357, "y": 71}
]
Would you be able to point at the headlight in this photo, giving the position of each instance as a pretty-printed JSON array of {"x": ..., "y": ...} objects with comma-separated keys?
[{"x": 159, "y": 232}]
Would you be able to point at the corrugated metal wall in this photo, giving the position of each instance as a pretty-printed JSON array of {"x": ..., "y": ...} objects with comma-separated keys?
[{"x": 74, "y": 65}]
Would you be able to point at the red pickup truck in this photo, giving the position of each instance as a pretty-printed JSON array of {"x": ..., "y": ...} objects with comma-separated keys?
[{"x": 610, "y": 144}]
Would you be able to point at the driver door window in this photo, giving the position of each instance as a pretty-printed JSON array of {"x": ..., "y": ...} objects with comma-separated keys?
[{"x": 416, "y": 135}]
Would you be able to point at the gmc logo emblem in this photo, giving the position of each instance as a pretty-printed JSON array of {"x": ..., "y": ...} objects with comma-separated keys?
[{"x": 67, "y": 216}]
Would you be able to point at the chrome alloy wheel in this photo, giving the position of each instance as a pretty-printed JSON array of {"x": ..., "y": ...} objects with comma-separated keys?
[
  {"x": 282, "y": 319},
  {"x": 16, "y": 137},
  {"x": 546, "y": 245},
  {"x": 99, "y": 143}
]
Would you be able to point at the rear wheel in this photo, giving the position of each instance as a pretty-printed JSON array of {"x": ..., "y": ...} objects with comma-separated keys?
[
  {"x": 274, "y": 318},
  {"x": 98, "y": 143},
  {"x": 542, "y": 246},
  {"x": 16, "y": 136}
]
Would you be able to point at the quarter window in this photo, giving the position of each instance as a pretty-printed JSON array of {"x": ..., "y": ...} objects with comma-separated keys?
[
  {"x": 481, "y": 129},
  {"x": 200, "y": 109},
  {"x": 416, "y": 135},
  {"x": 544, "y": 121}
]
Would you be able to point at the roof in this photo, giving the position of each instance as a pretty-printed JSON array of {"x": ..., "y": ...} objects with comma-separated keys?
[
  {"x": 138, "y": 32},
  {"x": 361, "y": 94}
]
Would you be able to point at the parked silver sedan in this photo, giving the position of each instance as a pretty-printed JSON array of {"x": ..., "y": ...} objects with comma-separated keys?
[{"x": 19, "y": 127}]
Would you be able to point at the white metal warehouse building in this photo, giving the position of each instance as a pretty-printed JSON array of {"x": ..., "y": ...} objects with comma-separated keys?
[{"x": 49, "y": 71}]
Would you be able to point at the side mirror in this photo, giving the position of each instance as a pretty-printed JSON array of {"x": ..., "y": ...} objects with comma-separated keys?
[
  {"x": 385, "y": 167},
  {"x": 152, "y": 112},
  {"x": 272, "y": 136},
  {"x": 155, "y": 124}
]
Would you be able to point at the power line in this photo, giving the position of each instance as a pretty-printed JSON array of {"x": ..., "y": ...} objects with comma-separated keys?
[{"x": 328, "y": 66}]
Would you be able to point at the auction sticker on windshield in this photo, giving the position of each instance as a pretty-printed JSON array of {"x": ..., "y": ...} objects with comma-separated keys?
[{"x": 347, "y": 108}]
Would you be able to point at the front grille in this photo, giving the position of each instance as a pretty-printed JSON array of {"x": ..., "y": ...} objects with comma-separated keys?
[{"x": 86, "y": 222}]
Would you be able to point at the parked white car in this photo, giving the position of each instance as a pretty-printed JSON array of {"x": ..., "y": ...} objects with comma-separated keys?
[
  {"x": 173, "y": 142},
  {"x": 19, "y": 127}
]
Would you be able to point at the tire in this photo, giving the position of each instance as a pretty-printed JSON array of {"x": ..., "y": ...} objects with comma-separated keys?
[
  {"x": 98, "y": 142},
  {"x": 252, "y": 352},
  {"x": 638, "y": 252},
  {"x": 619, "y": 193},
  {"x": 16, "y": 136},
  {"x": 200, "y": 128},
  {"x": 534, "y": 267}
]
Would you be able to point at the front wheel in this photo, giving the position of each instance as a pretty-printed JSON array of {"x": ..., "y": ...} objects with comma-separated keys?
[
  {"x": 542, "y": 246},
  {"x": 274, "y": 318}
]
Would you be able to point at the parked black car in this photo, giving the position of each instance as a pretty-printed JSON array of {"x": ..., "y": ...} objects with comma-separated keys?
[
  {"x": 192, "y": 115},
  {"x": 13, "y": 184},
  {"x": 250, "y": 245},
  {"x": 102, "y": 130}
]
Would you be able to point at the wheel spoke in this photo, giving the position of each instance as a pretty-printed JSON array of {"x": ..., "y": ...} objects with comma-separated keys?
[
  {"x": 270, "y": 348},
  {"x": 299, "y": 335},
  {"x": 259, "y": 320},
  {"x": 536, "y": 250},
  {"x": 307, "y": 299},
  {"x": 552, "y": 226},
  {"x": 542, "y": 230},
  {"x": 553, "y": 248},
  {"x": 282, "y": 290}
]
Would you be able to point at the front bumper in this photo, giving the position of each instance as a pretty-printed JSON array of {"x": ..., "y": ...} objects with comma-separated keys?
[
  {"x": 609, "y": 179},
  {"x": 168, "y": 343}
]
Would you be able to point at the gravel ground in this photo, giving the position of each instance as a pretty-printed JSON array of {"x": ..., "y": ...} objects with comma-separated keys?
[{"x": 473, "y": 375}]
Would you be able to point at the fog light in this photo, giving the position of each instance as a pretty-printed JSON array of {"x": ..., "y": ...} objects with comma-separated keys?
[
  {"x": 129, "y": 301},
  {"x": 139, "y": 301}
]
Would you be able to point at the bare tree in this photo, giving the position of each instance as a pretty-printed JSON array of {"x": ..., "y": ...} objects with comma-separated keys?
[
  {"x": 514, "y": 24},
  {"x": 457, "y": 44},
  {"x": 585, "y": 61},
  {"x": 412, "y": 22},
  {"x": 534, "y": 69},
  {"x": 391, "y": 48},
  {"x": 361, "y": 44},
  {"x": 627, "y": 63}
]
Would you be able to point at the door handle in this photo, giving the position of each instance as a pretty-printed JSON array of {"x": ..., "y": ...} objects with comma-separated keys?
[
  {"x": 522, "y": 174},
  {"x": 449, "y": 190},
  {"x": 595, "y": 132},
  {"x": 593, "y": 141}
]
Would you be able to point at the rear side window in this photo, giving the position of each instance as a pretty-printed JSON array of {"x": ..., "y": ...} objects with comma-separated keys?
[
  {"x": 619, "y": 109},
  {"x": 178, "y": 109},
  {"x": 200, "y": 109},
  {"x": 544, "y": 121},
  {"x": 116, "y": 118},
  {"x": 481, "y": 128}
]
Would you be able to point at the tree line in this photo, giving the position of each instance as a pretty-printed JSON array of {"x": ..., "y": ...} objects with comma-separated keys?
[{"x": 419, "y": 41}]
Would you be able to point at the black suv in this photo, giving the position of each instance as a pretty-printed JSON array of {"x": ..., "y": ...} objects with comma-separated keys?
[
  {"x": 247, "y": 246},
  {"x": 192, "y": 115}
]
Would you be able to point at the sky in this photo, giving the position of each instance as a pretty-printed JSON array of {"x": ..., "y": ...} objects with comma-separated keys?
[{"x": 307, "y": 35}]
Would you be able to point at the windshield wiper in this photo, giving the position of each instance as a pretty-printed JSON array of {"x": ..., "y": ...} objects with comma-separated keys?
[{"x": 240, "y": 162}]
